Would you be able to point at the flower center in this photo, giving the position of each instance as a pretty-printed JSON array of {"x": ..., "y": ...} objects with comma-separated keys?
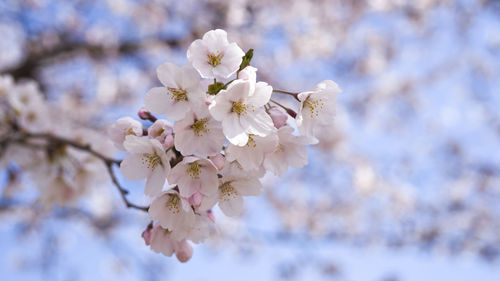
[
  {"x": 214, "y": 59},
  {"x": 227, "y": 191},
  {"x": 199, "y": 127},
  {"x": 178, "y": 94},
  {"x": 251, "y": 141},
  {"x": 194, "y": 170},
  {"x": 315, "y": 106},
  {"x": 173, "y": 204},
  {"x": 240, "y": 108},
  {"x": 151, "y": 160}
]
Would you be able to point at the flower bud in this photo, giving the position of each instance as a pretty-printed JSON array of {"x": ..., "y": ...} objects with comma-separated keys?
[
  {"x": 219, "y": 160},
  {"x": 184, "y": 251},
  {"x": 279, "y": 117},
  {"x": 144, "y": 114}
]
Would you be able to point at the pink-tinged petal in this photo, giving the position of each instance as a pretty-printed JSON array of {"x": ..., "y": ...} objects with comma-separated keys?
[
  {"x": 279, "y": 117},
  {"x": 183, "y": 251},
  {"x": 169, "y": 75},
  {"x": 218, "y": 160},
  {"x": 248, "y": 187},
  {"x": 155, "y": 182},
  {"x": 157, "y": 100},
  {"x": 261, "y": 95},
  {"x": 232, "y": 207},
  {"x": 208, "y": 202},
  {"x": 210, "y": 182},
  {"x": 133, "y": 168}
]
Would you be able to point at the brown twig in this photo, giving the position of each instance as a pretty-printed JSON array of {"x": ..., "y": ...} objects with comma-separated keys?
[{"x": 55, "y": 140}]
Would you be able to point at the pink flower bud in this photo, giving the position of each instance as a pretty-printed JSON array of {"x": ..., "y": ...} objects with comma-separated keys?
[
  {"x": 144, "y": 114},
  {"x": 195, "y": 199},
  {"x": 184, "y": 251},
  {"x": 219, "y": 160},
  {"x": 279, "y": 117},
  {"x": 146, "y": 234}
]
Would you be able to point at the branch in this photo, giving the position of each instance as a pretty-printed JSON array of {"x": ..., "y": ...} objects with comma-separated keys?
[{"x": 109, "y": 162}]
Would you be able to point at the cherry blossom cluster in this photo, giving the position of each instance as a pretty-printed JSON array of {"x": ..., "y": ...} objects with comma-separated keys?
[
  {"x": 226, "y": 134},
  {"x": 44, "y": 146}
]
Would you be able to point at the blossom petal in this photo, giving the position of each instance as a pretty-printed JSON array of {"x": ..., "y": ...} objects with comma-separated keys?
[
  {"x": 133, "y": 168},
  {"x": 155, "y": 182}
]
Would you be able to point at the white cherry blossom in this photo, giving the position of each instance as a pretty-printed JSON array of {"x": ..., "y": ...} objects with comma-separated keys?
[
  {"x": 123, "y": 127},
  {"x": 173, "y": 213},
  {"x": 147, "y": 160},
  {"x": 198, "y": 134},
  {"x": 241, "y": 111},
  {"x": 161, "y": 241},
  {"x": 291, "y": 151},
  {"x": 213, "y": 56},
  {"x": 232, "y": 188},
  {"x": 194, "y": 174},
  {"x": 182, "y": 91},
  {"x": 251, "y": 155},
  {"x": 317, "y": 109}
]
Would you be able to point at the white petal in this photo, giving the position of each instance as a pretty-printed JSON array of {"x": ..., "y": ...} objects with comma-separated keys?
[
  {"x": 155, "y": 182},
  {"x": 248, "y": 187},
  {"x": 157, "y": 100},
  {"x": 135, "y": 144},
  {"x": 170, "y": 75},
  {"x": 133, "y": 168},
  {"x": 232, "y": 207},
  {"x": 261, "y": 95}
]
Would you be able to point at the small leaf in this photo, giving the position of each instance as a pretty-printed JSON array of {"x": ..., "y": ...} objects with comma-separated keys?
[
  {"x": 215, "y": 88},
  {"x": 246, "y": 60}
]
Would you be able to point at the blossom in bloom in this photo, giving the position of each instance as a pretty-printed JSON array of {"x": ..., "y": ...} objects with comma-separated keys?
[
  {"x": 230, "y": 194},
  {"x": 162, "y": 131},
  {"x": 251, "y": 155},
  {"x": 291, "y": 151},
  {"x": 173, "y": 213},
  {"x": 317, "y": 109},
  {"x": 202, "y": 227},
  {"x": 147, "y": 160},
  {"x": 198, "y": 133},
  {"x": 123, "y": 127},
  {"x": 193, "y": 175},
  {"x": 161, "y": 242},
  {"x": 182, "y": 91},
  {"x": 213, "y": 56},
  {"x": 241, "y": 111}
]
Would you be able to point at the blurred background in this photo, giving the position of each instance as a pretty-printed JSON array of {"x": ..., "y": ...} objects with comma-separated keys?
[{"x": 407, "y": 186}]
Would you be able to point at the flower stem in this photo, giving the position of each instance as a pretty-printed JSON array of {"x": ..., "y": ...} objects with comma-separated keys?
[
  {"x": 290, "y": 111},
  {"x": 295, "y": 95}
]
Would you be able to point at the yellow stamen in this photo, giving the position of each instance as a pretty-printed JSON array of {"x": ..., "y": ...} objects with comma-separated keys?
[
  {"x": 227, "y": 191},
  {"x": 194, "y": 170},
  {"x": 214, "y": 59},
  {"x": 177, "y": 94},
  {"x": 199, "y": 127}
]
